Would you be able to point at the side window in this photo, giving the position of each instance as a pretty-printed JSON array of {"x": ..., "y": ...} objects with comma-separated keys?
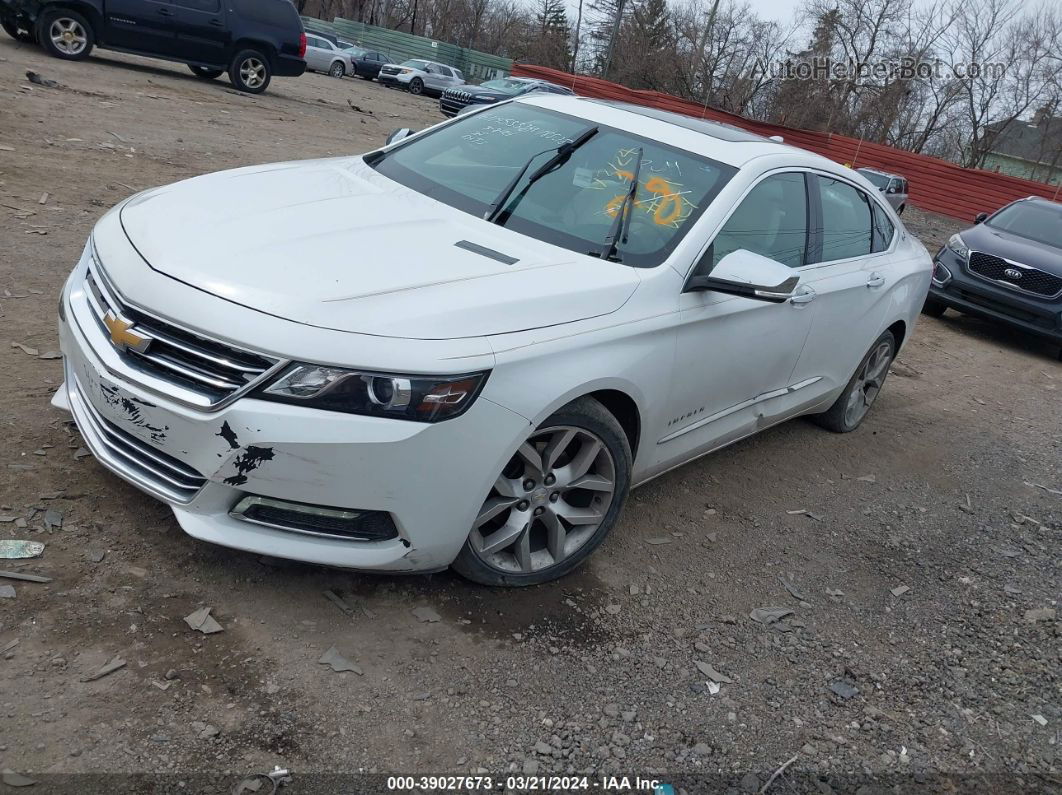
[
  {"x": 772, "y": 220},
  {"x": 846, "y": 220},
  {"x": 313, "y": 41},
  {"x": 210, "y": 6},
  {"x": 883, "y": 228},
  {"x": 445, "y": 72}
]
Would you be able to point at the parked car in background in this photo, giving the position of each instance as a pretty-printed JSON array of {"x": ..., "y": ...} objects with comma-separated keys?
[
  {"x": 555, "y": 299},
  {"x": 324, "y": 56},
  {"x": 452, "y": 100},
  {"x": 893, "y": 186},
  {"x": 366, "y": 63},
  {"x": 421, "y": 77},
  {"x": 252, "y": 39},
  {"x": 1006, "y": 267}
]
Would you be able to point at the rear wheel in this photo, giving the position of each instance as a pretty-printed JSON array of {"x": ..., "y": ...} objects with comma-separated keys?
[
  {"x": 849, "y": 410},
  {"x": 203, "y": 73},
  {"x": 337, "y": 69},
  {"x": 554, "y": 502},
  {"x": 250, "y": 71},
  {"x": 65, "y": 34},
  {"x": 12, "y": 29},
  {"x": 416, "y": 86},
  {"x": 934, "y": 308}
]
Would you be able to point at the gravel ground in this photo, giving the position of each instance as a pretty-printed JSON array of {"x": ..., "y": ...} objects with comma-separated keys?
[{"x": 916, "y": 561}]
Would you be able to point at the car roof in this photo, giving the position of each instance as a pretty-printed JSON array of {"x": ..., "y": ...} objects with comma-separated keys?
[
  {"x": 722, "y": 142},
  {"x": 879, "y": 171}
]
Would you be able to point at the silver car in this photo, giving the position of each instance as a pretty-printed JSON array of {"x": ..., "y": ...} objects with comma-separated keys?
[
  {"x": 421, "y": 77},
  {"x": 893, "y": 186},
  {"x": 323, "y": 56}
]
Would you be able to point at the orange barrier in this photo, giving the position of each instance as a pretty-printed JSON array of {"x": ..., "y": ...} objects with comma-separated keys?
[{"x": 935, "y": 184}]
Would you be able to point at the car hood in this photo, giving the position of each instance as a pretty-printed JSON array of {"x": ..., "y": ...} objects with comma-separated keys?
[
  {"x": 991, "y": 240},
  {"x": 333, "y": 244}
]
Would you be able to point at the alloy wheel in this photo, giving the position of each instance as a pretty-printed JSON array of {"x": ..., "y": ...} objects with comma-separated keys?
[
  {"x": 547, "y": 503},
  {"x": 68, "y": 35},
  {"x": 252, "y": 72},
  {"x": 868, "y": 383}
]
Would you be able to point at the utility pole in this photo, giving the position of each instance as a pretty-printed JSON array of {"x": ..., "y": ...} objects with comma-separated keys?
[{"x": 612, "y": 39}]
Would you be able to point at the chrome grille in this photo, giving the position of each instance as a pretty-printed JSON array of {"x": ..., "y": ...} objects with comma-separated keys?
[
  {"x": 1025, "y": 278},
  {"x": 133, "y": 459},
  {"x": 213, "y": 369}
]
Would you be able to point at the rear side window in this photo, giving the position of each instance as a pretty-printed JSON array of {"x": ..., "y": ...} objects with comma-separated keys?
[
  {"x": 883, "y": 228},
  {"x": 772, "y": 220},
  {"x": 277, "y": 13},
  {"x": 444, "y": 71},
  {"x": 846, "y": 220}
]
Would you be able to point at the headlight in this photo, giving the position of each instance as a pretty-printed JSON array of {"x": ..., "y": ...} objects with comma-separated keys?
[
  {"x": 404, "y": 71},
  {"x": 956, "y": 244},
  {"x": 405, "y": 397}
]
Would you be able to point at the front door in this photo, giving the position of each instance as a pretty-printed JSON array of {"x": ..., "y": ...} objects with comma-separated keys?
[
  {"x": 735, "y": 356},
  {"x": 147, "y": 26},
  {"x": 202, "y": 34}
]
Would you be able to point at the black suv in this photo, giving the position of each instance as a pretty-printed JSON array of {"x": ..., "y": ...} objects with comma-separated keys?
[
  {"x": 251, "y": 39},
  {"x": 1007, "y": 267}
]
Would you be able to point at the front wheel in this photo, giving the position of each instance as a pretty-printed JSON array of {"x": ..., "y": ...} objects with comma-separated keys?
[
  {"x": 337, "y": 70},
  {"x": 65, "y": 34},
  {"x": 849, "y": 410},
  {"x": 416, "y": 86},
  {"x": 250, "y": 71},
  {"x": 934, "y": 308},
  {"x": 554, "y": 502},
  {"x": 203, "y": 73}
]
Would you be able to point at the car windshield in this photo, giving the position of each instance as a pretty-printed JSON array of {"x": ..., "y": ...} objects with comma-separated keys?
[
  {"x": 466, "y": 163},
  {"x": 876, "y": 179},
  {"x": 355, "y": 52},
  {"x": 505, "y": 86},
  {"x": 414, "y": 64},
  {"x": 1037, "y": 222}
]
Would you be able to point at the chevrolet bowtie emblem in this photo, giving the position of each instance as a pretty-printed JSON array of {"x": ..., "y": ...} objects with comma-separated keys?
[{"x": 122, "y": 336}]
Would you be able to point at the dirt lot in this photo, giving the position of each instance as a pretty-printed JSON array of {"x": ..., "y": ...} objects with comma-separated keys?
[{"x": 953, "y": 684}]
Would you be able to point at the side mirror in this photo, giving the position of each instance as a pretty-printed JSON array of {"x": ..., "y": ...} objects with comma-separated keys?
[
  {"x": 980, "y": 217},
  {"x": 748, "y": 275},
  {"x": 882, "y": 188},
  {"x": 398, "y": 135}
]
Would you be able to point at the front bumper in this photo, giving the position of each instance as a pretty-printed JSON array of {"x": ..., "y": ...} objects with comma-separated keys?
[
  {"x": 394, "y": 80},
  {"x": 430, "y": 478},
  {"x": 976, "y": 296}
]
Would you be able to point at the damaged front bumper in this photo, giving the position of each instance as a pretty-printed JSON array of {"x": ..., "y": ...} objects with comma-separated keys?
[{"x": 428, "y": 479}]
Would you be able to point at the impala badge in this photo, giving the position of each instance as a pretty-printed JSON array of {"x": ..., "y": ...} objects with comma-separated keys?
[{"x": 122, "y": 335}]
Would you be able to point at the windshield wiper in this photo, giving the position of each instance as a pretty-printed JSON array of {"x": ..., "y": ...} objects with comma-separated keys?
[
  {"x": 622, "y": 220},
  {"x": 561, "y": 155}
]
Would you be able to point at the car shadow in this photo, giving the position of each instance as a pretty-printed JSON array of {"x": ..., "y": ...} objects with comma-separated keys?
[{"x": 1000, "y": 334}]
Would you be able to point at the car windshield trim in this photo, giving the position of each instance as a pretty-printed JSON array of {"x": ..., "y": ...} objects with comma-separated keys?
[
  {"x": 1015, "y": 213},
  {"x": 589, "y": 243}
]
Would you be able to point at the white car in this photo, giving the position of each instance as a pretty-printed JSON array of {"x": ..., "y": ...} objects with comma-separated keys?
[
  {"x": 421, "y": 77},
  {"x": 466, "y": 347}
]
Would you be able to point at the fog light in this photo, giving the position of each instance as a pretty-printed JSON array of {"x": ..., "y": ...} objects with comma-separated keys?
[
  {"x": 317, "y": 520},
  {"x": 941, "y": 275}
]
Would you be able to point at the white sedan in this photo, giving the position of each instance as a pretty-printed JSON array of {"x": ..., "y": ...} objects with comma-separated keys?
[{"x": 465, "y": 348}]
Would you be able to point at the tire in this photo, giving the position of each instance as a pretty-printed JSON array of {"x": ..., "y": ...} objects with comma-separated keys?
[
  {"x": 65, "y": 34},
  {"x": 528, "y": 538},
  {"x": 934, "y": 308},
  {"x": 10, "y": 28},
  {"x": 206, "y": 74},
  {"x": 848, "y": 411},
  {"x": 416, "y": 86},
  {"x": 337, "y": 70},
  {"x": 250, "y": 72}
]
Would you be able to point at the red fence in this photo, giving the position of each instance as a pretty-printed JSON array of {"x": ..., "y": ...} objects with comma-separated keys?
[{"x": 936, "y": 185}]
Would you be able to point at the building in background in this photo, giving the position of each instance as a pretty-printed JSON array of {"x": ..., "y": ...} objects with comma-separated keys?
[{"x": 1028, "y": 149}]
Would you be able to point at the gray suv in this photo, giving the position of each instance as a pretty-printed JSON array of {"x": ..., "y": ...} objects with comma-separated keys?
[{"x": 892, "y": 185}]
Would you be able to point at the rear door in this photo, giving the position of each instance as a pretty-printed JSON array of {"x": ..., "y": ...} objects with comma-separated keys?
[
  {"x": 850, "y": 269},
  {"x": 318, "y": 53},
  {"x": 147, "y": 26},
  {"x": 202, "y": 34}
]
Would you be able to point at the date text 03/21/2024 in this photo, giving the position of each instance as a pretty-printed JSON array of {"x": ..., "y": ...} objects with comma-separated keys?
[{"x": 529, "y": 783}]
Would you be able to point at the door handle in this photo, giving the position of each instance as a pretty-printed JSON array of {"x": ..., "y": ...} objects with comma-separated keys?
[
  {"x": 803, "y": 295},
  {"x": 875, "y": 280},
  {"x": 165, "y": 12},
  {"x": 217, "y": 23}
]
